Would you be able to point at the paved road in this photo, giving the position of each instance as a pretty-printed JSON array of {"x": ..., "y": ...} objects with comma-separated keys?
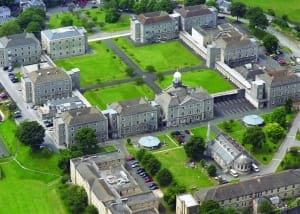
[
  {"x": 27, "y": 113},
  {"x": 103, "y": 35}
]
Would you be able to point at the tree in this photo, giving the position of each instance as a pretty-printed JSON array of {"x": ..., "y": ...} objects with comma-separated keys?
[
  {"x": 140, "y": 154},
  {"x": 209, "y": 206},
  {"x": 257, "y": 18},
  {"x": 227, "y": 126},
  {"x": 212, "y": 170},
  {"x": 30, "y": 133},
  {"x": 193, "y": 2},
  {"x": 270, "y": 42},
  {"x": 288, "y": 105},
  {"x": 75, "y": 198},
  {"x": 86, "y": 141},
  {"x": 36, "y": 14},
  {"x": 10, "y": 28},
  {"x": 254, "y": 136},
  {"x": 160, "y": 77},
  {"x": 66, "y": 21},
  {"x": 150, "y": 69},
  {"x": 279, "y": 116},
  {"x": 285, "y": 17},
  {"x": 129, "y": 71},
  {"x": 172, "y": 191},
  {"x": 166, "y": 5},
  {"x": 90, "y": 209},
  {"x": 238, "y": 9},
  {"x": 112, "y": 16},
  {"x": 33, "y": 27},
  {"x": 275, "y": 132},
  {"x": 195, "y": 147},
  {"x": 150, "y": 163},
  {"x": 212, "y": 3},
  {"x": 164, "y": 177},
  {"x": 265, "y": 208},
  {"x": 139, "y": 80},
  {"x": 271, "y": 12}
]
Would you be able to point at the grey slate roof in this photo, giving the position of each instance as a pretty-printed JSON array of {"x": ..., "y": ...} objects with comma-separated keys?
[
  {"x": 196, "y": 10},
  {"x": 280, "y": 77},
  {"x": 82, "y": 116},
  {"x": 133, "y": 106},
  {"x": 18, "y": 40},
  {"x": 64, "y": 32},
  {"x": 154, "y": 17},
  {"x": 47, "y": 74},
  {"x": 256, "y": 185}
]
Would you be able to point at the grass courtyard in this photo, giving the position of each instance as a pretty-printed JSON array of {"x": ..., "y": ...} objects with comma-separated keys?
[
  {"x": 163, "y": 56},
  {"x": 103, "y": 96},
  {"x": 24, "y": 191},
  {"x": 96, "y": 16},
  {"x": 210, "y": 80},
  {"x": 101, "y": 66},
  {"x": 280, "y": 7}
]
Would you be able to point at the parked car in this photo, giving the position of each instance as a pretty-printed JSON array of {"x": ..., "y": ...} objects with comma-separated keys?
[
  {"x": 153, "y": 187},
  {"x": 140, "y": 170},
  {"x": 142, "y": 173},
  {"x": 5, "y": 68},
  {"x": 10, "y": 69},
  {"x": 145, "y": 175},
  {"x": 147, "y": 180},
  {"x": 152, "y": 184},
  {"x": 3, "y": 95},
  {"x": 135, "y": 165},
  {"x": 130, "y": 158},
  {"x": 17, "y": 114},
  {"x": 14, "y": 80}
]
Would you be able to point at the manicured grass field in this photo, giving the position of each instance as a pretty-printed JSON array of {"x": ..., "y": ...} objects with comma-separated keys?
[
  {"x": 170, "y": 143},
  {"x": 210, "y": 80},
  {"x": 291, "y": 160},
  {"x": 99, "y": 15},
  {"x": 55, "y": 20},
  {"x": 280, "y": 7},
  {"x": 175, "y": 160},
  {"x": 202, "y": 131},
  {"x": 101, "y": 66},
  {"x": 264, "y": 154},
  {"x": 23, "y": 191},
  {"x": 163, "y": 56},
  {"x": 102, "y": 97}
]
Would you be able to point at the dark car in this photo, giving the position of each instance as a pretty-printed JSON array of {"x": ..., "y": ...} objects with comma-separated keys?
[
  {"x": 142, "y": 173},
  {"x": 153, "y": 184},
  {"x": 14, "y": 80},
  {"x": 17, "y": 114},
  {"x": 140, "y": 170},
  {"x": 5, "y": 68},
  {"x": 145, "y": 175},
  {"x": 10, "y": 69},
  {"x": 153, "y": 187}
]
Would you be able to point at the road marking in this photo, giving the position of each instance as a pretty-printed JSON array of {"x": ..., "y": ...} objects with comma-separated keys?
[
  {"x": 172, "y": 140},
  {"x": 179, "y": 147}
]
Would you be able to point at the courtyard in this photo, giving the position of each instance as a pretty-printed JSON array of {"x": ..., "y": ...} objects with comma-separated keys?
[
  {"x": 103, "y": 96},
  {"x": 103, "y": 65},
  {"x": 164, "y": 56}
]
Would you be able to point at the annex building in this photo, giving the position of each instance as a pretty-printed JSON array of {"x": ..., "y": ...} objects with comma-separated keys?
[
  {"x": 110, "y": 187},
  {"x": 69, "y": 122},
  {"x": 182, "y": 105},
  {"x": 64, "y": 42},
  {"x": 19, "y": 49},
  {"x": 284, "y": 185}
]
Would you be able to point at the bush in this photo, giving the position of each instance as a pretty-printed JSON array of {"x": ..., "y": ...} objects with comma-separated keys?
[
  {"x": 164, "y": 177},
  {"x": 112, "y": 16}
]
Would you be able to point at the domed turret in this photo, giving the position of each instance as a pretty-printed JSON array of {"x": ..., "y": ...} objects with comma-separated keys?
[
  {"x": 177, "y": 79},
  {"x": 243, "y": 163}
]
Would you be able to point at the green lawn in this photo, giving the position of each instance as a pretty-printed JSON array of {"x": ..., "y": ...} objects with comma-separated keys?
[
  {"x": 291, "y": 160},
  {"x": 264, "y": 154},
  {"x": 190, "y": 177},
  {"x": 280, "y": 7},
  {"x": 27, "y": 192},
  {"x": 23, "y": 191},
  {"x": 101, "y": 66},
  {"x": 210, "y": 80},
  {"x": 202, "y": 131},
  {"x": 55, "y": 20},
  {"x": 99, "y": 16},
  {"x": 170, "y": 143},
  {"x": 163, "y": 56},
  {"x": 103, "y": 96}
]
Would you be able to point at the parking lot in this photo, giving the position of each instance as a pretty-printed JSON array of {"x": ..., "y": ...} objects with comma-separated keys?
[{"x": 232, "y": 106}]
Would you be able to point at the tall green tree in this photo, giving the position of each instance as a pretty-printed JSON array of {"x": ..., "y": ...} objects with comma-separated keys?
[
  {"x": 90, "y": 209},
  {"x": 275, "y": 132},
  {"x": 257, "y": 18},
  {"x": 195, "y": 147},
  {"x": 265, "y": 208},
  {"x": 193, "y": 2},
  {"x": 279, "y": 116},
  {"x": 10, "y": 28},
  {"x": 33, "y": 27},
  {"x": 86, "y": 141},
  {"x": 164, "y": 177},
  {"x": 75, "y": 198},
  {"x": 238, "y": 9},
  {"x": 35, "y": 14},
  {"x": 288, "y": 105},
  {"x": 30, "y": 133},
  {"x": 271, "y": 43},
  {"x": 209, "y": 206},
  {"x": 172, "y": 191},
  {"x": 255, "y": 137},
  {"x": 212, "y": 170},
  {"x": 166, "y": 5}
]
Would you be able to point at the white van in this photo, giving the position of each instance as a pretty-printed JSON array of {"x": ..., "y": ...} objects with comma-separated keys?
[
  {"x": 254, "y": 167},
  {"x": 234, "y": 173}
]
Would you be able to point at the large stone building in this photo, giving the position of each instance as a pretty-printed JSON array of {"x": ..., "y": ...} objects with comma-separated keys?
[
  {"x": 182, "y": 105},
  {"x": 154, "y": 27},
  {"x": 42, "y": 82},
  {"x": 110, "y": 187},
  {"x": 19, "y": 49},
  {"x": 25, "y": 4},
  {"x": 272, "y": 88},
  {"x": 186, "y": 204},
  {"x": 69, "y": 122},
  {"x": 132, "y": 117},
  {"x": 4, "y": 13},
  {"x": 226, "y": 44},
  {"x": 284, "y": 184},
  {"x": 197, "y": 16},
  {"x": 64, "y": 42},
  {"x": 228, "y": 154}
]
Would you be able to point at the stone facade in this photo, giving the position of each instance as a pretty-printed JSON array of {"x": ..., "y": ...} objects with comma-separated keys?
[
  {"x": 42, "y": 82},
  {"x": 154, "y": 27},
  {"x": 197, "y": 16},
  {"x": 4, "y": 12},
  {"x": 64, "y": 42},
  {"x": 186, "y": 204},
  {"x": 272, "y": 88},
  {"x": 181, "y": 105},
  {"x": 284, "y": 184},
  {"x": 102, "y": 177},
  {"x": 134, "y": 117},
  {"x": 19, "y": 49},
  {"x": 69, "y": 122},
  {"x": 25, "y": 4}
]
